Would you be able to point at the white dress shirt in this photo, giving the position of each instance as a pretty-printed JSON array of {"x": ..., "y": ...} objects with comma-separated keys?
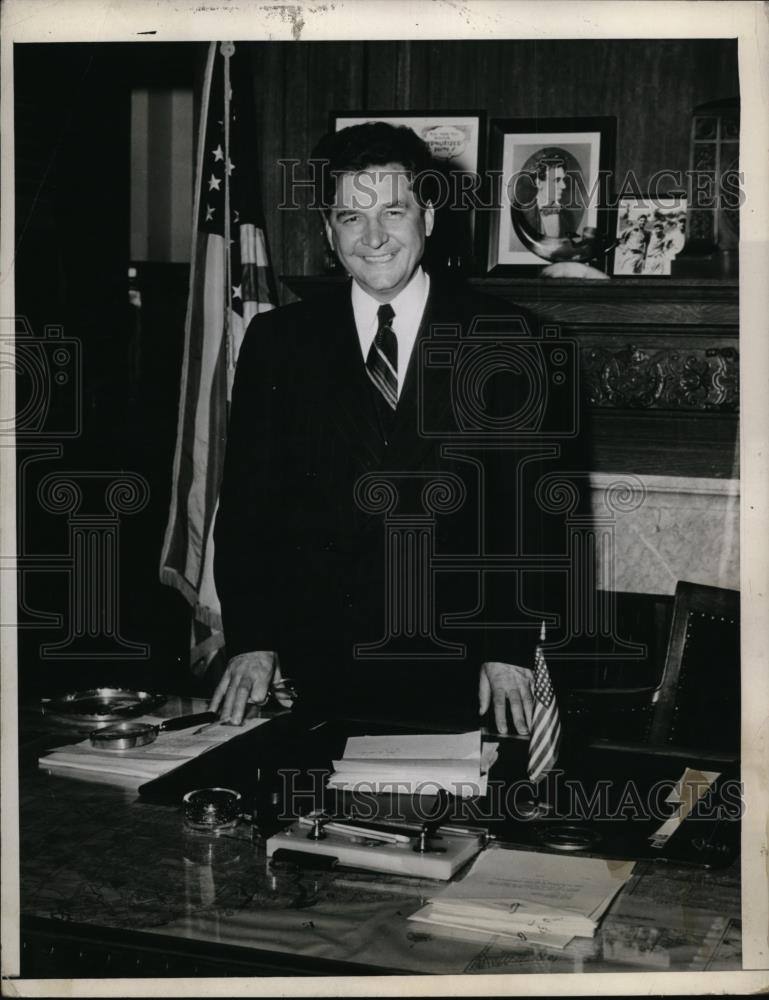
[{"x": 408, "y": 306}]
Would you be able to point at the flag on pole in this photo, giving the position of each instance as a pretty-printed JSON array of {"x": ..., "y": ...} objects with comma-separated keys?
[
  {"x": 229, "y": 284},
  {"x": 546, "y": 723}
]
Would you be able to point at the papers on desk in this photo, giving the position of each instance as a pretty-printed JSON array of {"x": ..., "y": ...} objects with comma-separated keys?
[
  {"x": 543, "y": 899},
  {"x": 416, "y": 765},
  {"x": 169, "y": 750}
]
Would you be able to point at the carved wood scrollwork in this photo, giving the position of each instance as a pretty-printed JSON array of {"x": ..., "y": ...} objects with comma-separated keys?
[{"x": 662, "y": 379}]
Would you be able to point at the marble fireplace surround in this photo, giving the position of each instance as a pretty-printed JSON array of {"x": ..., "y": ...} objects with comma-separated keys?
[{"x": 666, "y": 529}]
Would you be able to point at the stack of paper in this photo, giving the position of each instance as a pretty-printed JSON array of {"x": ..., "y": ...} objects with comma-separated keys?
[
  {"x": 415, "y": 765},
  {"x": 542, "y": 899},
  {"x": 168, "y": 751}
]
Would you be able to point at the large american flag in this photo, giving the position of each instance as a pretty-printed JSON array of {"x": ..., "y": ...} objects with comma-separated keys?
[
  {"x": 546, "y": 724},
  {"x": 229, "y": 283}
]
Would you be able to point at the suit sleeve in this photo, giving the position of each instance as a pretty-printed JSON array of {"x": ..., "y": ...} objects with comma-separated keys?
[
  {"x": 246, "y": 527},
  {"x": 514, "y": 598}
]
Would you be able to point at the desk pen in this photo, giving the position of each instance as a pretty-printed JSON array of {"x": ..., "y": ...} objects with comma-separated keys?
[
  {"x": 468, "y": 831},
  {"x": 349, "y": 830}
]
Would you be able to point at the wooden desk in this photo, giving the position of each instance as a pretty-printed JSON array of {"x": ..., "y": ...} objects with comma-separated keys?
[{"x": 114, "y": 887}]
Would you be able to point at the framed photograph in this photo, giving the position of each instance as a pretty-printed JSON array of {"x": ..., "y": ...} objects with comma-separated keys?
[
  {"x": 651, "y": 232},
  {"x": 454, "y": 137},
  {"x": 558, "y": 172}
]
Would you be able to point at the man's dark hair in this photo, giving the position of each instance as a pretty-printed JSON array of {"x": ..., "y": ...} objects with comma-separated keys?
[
  {"x": 360, "y": 147},
  {"x": 549, "y": 160}
]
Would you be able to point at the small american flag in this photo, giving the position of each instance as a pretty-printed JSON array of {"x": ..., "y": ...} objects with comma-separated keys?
[
  {"x": 230, "y": 282},
  {"x": 546, "y": 723}
]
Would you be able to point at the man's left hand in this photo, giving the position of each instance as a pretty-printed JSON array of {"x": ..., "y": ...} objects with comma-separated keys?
[{"x": 503, "y": 685}]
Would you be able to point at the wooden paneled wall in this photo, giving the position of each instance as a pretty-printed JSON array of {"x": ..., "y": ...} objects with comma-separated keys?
[{"x": 651, "y": 86}]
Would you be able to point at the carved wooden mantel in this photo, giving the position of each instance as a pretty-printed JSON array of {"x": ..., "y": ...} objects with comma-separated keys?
[{"x": 659, "y": 361}]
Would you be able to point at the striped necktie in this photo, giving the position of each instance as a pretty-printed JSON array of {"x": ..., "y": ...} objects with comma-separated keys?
[{"x": 382, "y": 360}]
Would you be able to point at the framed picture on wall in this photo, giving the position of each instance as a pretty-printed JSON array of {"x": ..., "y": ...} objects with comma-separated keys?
[
  {"x": 455, "y": 139},
  {"x": 551, "y": 180},
  {"x": 651, "y": 232}
]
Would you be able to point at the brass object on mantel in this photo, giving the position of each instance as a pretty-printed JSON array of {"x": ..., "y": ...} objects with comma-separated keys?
[{"x": 570, "y": 256}]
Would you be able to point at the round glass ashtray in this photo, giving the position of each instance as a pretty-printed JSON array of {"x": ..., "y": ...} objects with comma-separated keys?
[
  {"x": 212, "y": 809},
  {"x": 568, "y": 837},
  {"x": 201, "y": 851}
]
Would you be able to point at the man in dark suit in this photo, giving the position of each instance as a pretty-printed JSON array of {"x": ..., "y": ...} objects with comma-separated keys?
[{"x": 362, "y": 493}]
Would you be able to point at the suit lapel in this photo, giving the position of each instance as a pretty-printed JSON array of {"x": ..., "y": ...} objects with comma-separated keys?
[
  {"x": 350, "y": 398},
  {"x": 420, "y": 409},
  {"x": 343, "y": 379}
]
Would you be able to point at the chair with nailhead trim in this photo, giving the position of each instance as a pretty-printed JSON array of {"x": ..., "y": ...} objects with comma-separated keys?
[
  {"x": 697, "y": 701},
  {"x": 695, "y": 704}
]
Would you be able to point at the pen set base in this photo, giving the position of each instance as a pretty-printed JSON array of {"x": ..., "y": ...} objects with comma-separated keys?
[{"x": 444, "y": 855}]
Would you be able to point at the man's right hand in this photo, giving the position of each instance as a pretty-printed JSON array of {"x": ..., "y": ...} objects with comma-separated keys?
[{"x": 247, "y": 678}]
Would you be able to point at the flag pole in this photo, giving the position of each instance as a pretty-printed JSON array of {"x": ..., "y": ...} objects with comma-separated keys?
[
  {"x": 228, "y": 50},
  {"x": 229, "y": 284}
]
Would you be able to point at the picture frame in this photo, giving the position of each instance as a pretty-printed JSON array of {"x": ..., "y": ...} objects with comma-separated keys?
[
  {"x": 559, "y": 171},
  {"x": 651, "y": 232},
  {"x": 454, "y": 137},
  {"x": 456, "y": 140}
]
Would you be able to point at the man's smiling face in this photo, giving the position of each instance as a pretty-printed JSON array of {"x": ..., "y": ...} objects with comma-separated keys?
[{"x": 377, "y": 229}]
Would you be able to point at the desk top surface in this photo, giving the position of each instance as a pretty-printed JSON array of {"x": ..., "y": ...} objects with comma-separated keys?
[{"x": 93, "y": 854}]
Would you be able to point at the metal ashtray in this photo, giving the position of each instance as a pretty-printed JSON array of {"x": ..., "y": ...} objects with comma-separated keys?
[
  {"x": 212, "y": 809},
  {"x": 123, "y": 736},
  {"x": 100, "y": 706},
  {"x": 128, "y": 735}
]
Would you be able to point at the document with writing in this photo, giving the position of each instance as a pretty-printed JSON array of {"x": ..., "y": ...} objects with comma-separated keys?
[
  {"x": 416, "y": 764},
  {"x": 543, "y": 898},
  {"x": 438, "y": 746}
]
